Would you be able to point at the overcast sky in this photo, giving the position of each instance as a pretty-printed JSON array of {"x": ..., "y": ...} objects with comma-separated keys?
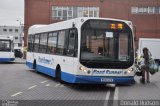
[{"x": 10, "y": 11}]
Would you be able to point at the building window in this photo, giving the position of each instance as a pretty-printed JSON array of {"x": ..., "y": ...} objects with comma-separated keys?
[
  {"x": 10, "y": 30},
  {"x": 16, "y": 30},
  {"x": 140, "y": 10},
  {"x": 134, "y": 10},
  {"x": 151, "y": 10},
  {"x": 16, "y": 37},
  {"x": 143, "y": 10},
  {"x": 5, "y": 30},
  {"x": 64, "y": 13}
]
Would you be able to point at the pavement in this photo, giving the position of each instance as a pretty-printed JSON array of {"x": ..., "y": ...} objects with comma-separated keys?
[{"x": 19, "y": 61}]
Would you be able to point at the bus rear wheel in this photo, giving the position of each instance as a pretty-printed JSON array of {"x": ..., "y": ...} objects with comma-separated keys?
[{"x": 34, "y": 66}]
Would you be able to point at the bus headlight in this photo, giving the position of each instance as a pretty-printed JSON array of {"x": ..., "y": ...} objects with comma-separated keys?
[
  {"x": 130, "y": 70},
  {"x": 84, "y": 69},
  {"x": 81, "y": 68}
]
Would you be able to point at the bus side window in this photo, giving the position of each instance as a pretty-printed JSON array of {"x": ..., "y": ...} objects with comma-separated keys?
[
  {"x": 72, "y": 43},
  {"x": 61, "y": 42},
  {"x": 36, "y": 43},
  {"x": 29, "y": 42},
  {"x": 52, "y": 42},
  {"x": 43, "y": 43},
  {"x": 32, "y": 46}
]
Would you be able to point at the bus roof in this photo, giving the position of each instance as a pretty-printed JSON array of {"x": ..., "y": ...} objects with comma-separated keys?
[{"x": 67, "y": 24}]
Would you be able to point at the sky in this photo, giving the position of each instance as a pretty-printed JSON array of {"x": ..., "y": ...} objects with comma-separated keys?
[{"x": 10, "y": 11}]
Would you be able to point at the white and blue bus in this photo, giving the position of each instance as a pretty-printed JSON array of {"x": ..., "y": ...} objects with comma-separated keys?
[
  {"x": 6, "y": 48},
  {"x": 83, "y": 50}
]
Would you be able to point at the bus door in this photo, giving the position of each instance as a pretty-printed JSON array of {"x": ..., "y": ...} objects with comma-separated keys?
[{"x": 71, "y": 49}]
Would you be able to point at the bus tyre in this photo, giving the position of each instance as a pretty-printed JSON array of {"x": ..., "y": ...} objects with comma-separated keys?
[
  {"x": 34, "y": 66},
  {"x": 58, "y": 73}
]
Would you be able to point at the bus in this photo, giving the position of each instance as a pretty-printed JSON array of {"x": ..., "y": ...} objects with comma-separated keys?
[
  {"x": 6, "y": 48},
  {"x": 83, "y": 50}
]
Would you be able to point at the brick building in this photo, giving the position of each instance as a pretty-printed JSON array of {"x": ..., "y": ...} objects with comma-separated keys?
[{"x": 145, "y": 14}]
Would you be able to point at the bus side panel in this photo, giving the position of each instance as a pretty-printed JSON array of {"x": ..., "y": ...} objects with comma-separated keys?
[
  {"x": 29, "y": 59},
  {"x": 6, "y": 56},
  {"x": 67, "y": 77},
  {"x": 68, "y": 67},
  {"x": 46, "y": 70},
  {"x": 29, "y": 64},
  {"x": 44, "y": 64}
]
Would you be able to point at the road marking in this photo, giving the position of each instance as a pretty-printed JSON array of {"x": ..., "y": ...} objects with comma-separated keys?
[
  {"x": 57, "y": 85},
  {"x": 47, "y": 85},
  {"x": 32, "y": 87},
  {"x": 115, "y": 98},
  {"x": 109, "y": 94},
  {"x": 16, "y": 94},
  {"x": 62, "y": 85},
  {"x": 107, "y": 98},
  {"x": 44, "y": 81},
  {"x": 116, "y": 93}
]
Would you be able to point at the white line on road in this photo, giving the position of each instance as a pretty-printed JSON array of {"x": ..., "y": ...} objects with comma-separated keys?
[
  {"x": 47, "y": 85},
  {"x": 115, "y": 98},
  {"x": 116, "y": 93},
  {"x": 107, "y": 98},
  {"x": 16, "y": 94},
  {"x": 57, "y": 85},
  {"x": 32, "y": 87},
  {"x": 61, "y": 85},
  {"x": 44, "y": 81}
]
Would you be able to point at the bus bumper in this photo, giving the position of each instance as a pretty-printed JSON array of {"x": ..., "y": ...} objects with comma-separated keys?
[
  {"x": 98, "y": 79},
  {"x": 6, "y": 59}
]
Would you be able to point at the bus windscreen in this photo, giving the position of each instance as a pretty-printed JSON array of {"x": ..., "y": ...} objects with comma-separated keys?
[
  {"x": 5, "y": 45},
  {"x": 106, "y": 42}
]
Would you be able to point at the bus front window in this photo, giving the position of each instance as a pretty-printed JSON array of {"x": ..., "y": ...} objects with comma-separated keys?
[
  {"x": 100, "y": 45},
  {"x": 5, "y": 45}
]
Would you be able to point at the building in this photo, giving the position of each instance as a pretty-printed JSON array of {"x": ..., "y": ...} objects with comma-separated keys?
[
  {"x": 16, "y": 32},
  {"x": 145, "y": 14}
]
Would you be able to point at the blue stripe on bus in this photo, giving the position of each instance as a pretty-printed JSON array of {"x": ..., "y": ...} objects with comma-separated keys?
[
  {"x": 45, "y": 70},
  {"x": 42, "y": 69},
  {"x": 30, "y": 65},
  {"x": 70, "y": 78},
  {"x": 6, "y": 59},
  {"x": 97, "y": 80}
]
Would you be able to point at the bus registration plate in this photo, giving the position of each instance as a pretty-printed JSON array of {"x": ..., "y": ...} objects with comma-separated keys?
[{"x": 106, "y": 80}]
